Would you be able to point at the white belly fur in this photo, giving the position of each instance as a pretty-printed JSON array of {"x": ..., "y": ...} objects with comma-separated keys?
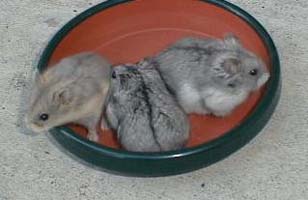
[
  {"x": 208, "y": 101},
  {"x": 221, "y": 104},
  {"x": 190, "y": 100}
]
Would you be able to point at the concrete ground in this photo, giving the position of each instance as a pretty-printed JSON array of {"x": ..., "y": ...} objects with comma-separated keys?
[{"x": 273, "y": 166}]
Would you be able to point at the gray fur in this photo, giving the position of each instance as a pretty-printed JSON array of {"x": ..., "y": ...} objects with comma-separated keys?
[
  {"x": 210, "y": 68},
  {"x": 73, "y": 90},
  {"x": 147, "y": 118}
]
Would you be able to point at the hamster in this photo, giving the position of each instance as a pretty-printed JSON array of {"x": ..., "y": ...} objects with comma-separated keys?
[
  {"x": 72, "y": 91},
  {"x": 146, "y": 116},
  {"x": 211, "y": 76}
]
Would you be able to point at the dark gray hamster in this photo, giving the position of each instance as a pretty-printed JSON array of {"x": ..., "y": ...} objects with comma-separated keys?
[
  {"x": 74, "y": 90},
  {"x": 211, "y": 75},
  {"x": 147, "y": 118}
]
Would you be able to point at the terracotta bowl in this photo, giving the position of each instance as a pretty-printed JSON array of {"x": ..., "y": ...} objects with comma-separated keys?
[{"x": 127, "y": 31}]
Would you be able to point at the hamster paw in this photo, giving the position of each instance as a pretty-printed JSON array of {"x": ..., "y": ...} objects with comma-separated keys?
[
  {"x": 104, "y": 125},
  {"x": 93, "y": 136}
]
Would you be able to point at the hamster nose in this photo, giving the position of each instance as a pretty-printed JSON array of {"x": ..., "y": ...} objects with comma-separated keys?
[
  {"x": 262, "y": 80},
  {"x": 36, "y": 127}
]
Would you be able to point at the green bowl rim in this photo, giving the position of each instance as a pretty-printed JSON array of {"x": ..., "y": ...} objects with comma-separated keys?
[{"x": 273, "y": 87}]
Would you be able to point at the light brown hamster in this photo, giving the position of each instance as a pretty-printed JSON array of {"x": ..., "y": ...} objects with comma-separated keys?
[{"x": 72, "y": 91}]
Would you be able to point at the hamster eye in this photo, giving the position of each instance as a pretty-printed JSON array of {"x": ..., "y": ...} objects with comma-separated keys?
[
  {"x": 113, "y": 75},
  {"x": 44, "y": 117},
  {"x": 253, "y": 72},
  {"x": 231, "y": 85}
]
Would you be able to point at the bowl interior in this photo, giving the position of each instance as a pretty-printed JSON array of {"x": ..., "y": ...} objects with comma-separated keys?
[{"x": 131, "y": 31}]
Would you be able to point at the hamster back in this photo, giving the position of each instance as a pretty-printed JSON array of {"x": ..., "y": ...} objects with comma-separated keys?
[{"x": 145, "y": 114}]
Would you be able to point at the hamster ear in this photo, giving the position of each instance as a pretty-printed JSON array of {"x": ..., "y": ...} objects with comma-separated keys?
[
  {"x": 144, "y": 63},
  {"x": 41, "y": 78},
  {"x": 62, "y": 97},
  {"x": 232, "y": 41},
  {"x": 231, "y": 66},
  {"x": 38, "y": 78},
  {"x": 148, "y": 63}
]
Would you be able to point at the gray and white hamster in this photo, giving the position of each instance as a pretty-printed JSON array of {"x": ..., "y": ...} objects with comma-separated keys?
[
  {"x": 74, "y": 90},
  {"x": 147, "y": 118},
  {"x": 211, "y": 76}
]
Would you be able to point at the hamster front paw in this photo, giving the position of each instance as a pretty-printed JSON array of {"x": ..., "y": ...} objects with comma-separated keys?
[
  {"x": 104, "y": 125},
  {"x": 93, "y": 136}
]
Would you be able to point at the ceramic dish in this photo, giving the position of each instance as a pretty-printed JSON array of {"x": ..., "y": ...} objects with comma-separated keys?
[{"x": 126, "y": 31}]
